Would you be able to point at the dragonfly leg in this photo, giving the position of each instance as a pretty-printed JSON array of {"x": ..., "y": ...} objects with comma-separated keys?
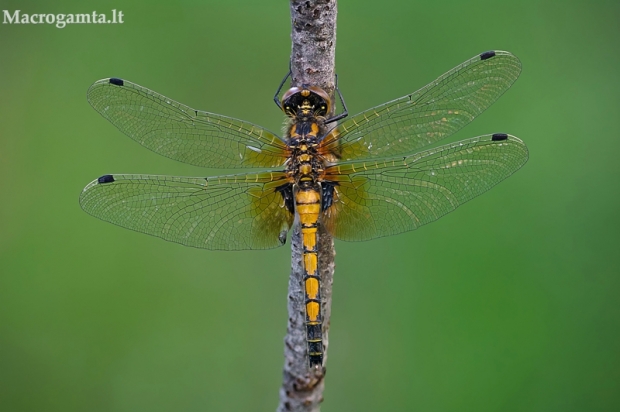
[
  {"x": 345, "y": 112},
  {"x": 276, "y": 97}
]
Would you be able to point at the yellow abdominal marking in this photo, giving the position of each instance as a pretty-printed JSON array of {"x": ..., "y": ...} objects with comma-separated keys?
[
  {"x": 307, "y": 197},
  {"x": 308, "y": 214},
  {"x": 309, "y": 237},
  {"x": 312, "y": 288},
  {"x": 308, "y": 207},
  {"x": 310, "y": 263},
  {"x": 312, "y": 310}
]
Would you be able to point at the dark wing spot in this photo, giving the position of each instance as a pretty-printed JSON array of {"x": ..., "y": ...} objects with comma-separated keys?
[
  {"x": 117, "y": 82},
  {"x": 498, "y": 137},
  {"x": 105, "y": 179},
  {"x": 487, "y": 55}
]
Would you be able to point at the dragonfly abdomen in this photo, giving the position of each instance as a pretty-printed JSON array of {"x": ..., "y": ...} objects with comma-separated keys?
[{"x": 308, "y": 207}]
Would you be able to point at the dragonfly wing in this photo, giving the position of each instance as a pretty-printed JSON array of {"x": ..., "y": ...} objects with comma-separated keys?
[
  {"x": 182, "y": 133},
  {"x": 432, "y": 113},
  {"x": 226, "y": 213},
  {"x": 387, "y": 197}
]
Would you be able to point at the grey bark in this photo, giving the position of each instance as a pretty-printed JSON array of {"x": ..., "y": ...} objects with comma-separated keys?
[{"x": 313, "y": 38}]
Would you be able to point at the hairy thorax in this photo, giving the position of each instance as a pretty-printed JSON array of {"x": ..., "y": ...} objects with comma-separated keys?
[{"x": 306, "y": 165}]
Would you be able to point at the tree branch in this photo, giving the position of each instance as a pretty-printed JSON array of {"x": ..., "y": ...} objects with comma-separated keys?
[{"x": 313, "y": 38}]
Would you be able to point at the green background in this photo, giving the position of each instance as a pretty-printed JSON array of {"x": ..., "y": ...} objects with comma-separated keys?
[{"x": 508, "y": 304}]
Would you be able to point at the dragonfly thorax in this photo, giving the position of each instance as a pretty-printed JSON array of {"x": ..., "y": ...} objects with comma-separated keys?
[{"x": 306, "y": 164}]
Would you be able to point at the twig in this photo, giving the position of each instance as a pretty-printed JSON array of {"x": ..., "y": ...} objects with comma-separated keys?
[{"x": 313, "y": 36}]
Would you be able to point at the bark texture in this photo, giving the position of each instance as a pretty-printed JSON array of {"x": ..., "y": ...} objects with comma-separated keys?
[{"x": 313, "y": 38}]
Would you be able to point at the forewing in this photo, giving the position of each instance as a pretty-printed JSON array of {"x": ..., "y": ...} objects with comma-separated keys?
[
  {"x": 432, "y": 113},
  {"x": 382, "y": 198},
  {"x": 227, "y": 212},
  {"x": 181, "y": 133}
]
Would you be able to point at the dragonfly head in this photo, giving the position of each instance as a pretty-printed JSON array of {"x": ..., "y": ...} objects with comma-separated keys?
[{"x": 306, "y": 101}]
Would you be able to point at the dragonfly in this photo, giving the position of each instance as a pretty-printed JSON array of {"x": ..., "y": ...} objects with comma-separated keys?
[{"x": 359, "y": 178}]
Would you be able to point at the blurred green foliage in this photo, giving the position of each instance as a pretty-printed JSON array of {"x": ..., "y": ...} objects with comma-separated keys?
[{"x": 510, "y": 303}]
